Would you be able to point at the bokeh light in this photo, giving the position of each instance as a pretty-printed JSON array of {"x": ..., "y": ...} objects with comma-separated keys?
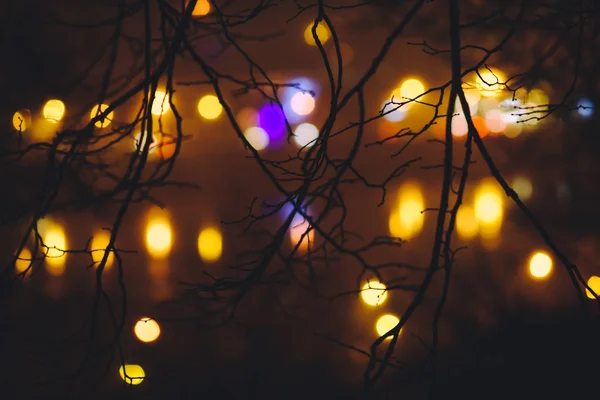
[
  {"x": 23, "y": 261},
  {"x": 373, "y": 293},
  {"x": 523, "y": 187},
  {"x": 133, "y": 374},
  {"x": 209, "y": 107},
  {"x": 386, "y": 323},
  {"x": 247, "y": 117},
  {"x": 490, "y": 82},
  {"x": 489, "y": 209},
  {"x": 394, "y": 112},
  {"x": 460, "y": 127},
  {"x": 411, "y": 88},
  {"x": 100, "y": 241},
  {"x": 594, "y": 284},
  {"x": 160, "y": 105},
  {"x": 21, "y": 120},
  {"x": 139, "y": 143},
  {"x": 201, "y": 9},
  {"x": 585, "y": 108},
  {"x": 407, "y": 218},
  {"x": 159, "y": 236},
  {"x": 298, "y": 233},
  {"x": 210, "y": 245},
  {"x": 494, "y": 120},
  {"x": 257, "y": 137},
  {"x": 166, "y": 147},
  {"x": 540, "y": 265},
  {"x": 322, "y": 33},
  {"x": 305, "y": 135},
  {"x": 302, "y": 103},
  {"x": 146, "y": 330},
  {"x": 513, "y": 130},
  {"x": 538, "y": 97},
  {"x": 54, "y": 110},
  {"x": 480, "y": 125},
  {"x": 272, "y": 120},
  {"x": 55, "y": 239},
  {"x": 99, "y": 109},
  {"x": 467, "y": 225}
]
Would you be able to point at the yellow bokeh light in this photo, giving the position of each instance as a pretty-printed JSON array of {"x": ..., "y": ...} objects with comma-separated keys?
[
  {"x": 133, "y": 374},
  {"x": 490, "y": 82},
  {"x": 146, "y": 330},
  {"x": 386, "y": 323},
  {"x": 538, "y": 97},
  {"x": 513, "y": 130},
  {"x": 23, "y": 261},
  {"x": 209, "y": 107},
  {"x": 139, "y": 143},
  {"x": 54, "y": 238},
  {"x": 411, "y": 88},
  {"x": 98, "y": 247},
  {"x": 54, "y": 110},
  {"x": 322, "y": 33},
  {"x": 523, "y": 187},
  {"x": 540, "y": 265},
  {"x": 21, "y": 120},
  {"x": 302, "y": 103},
  {"x": 201, "y": 9},
  {"x": 210, "y": 245},
  {"x": 467, "y": 225},
  {"x": 160, "y": 105},
  {"x": 594, "y": 284},
  {"x": 488, "y": 208},
  {"x": 298, "y": 234},
  {"x": 407, "y": 220},
  {"x": 373, "y": 293},
  {"x": 158, "y": 236},
  {"x": 99, "y": 109}
]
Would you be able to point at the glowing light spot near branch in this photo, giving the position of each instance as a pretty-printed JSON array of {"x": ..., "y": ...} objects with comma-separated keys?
[
  {"x": 146, "y": 330},
  {"x": 133, "y": 374},
  {"x": 302, "y": 103},
  {"x": 99, "y": 109},
  {"x": 494, "y": 120},
  {"x": 490, "y": 82},
  {"x": 513, "y": 130},
  {"x": 594, "y": 284},
  {"x": 201, "y": 9},
  {"x": 322, "y": 33},
  {"x": 523, "y": 187},
  {"x": 210, "y": 245},
  {"x": 139, "y": 143},
  {"x": 98, "y": 246},
  {"x": 54, "y": 110},
  {"x": 386, "y": 323},
  {"x": 54, "y": 238},
  {"x": 489, "y": 209},
  {"x": 540, "y": 265},
  {"x": 394, "y": 112},
  {"x": 538, "y": 98},
  {"x": 209, "y": 107},
  {"x": 158, "y": 235},
  {"x": 467, "y": 225},
  {"x": 585, "y": 108},
  {"x": 411, "y": 88},
  {"x": 298, "y": 233},
  {"x": 160, "y": 105},
  {"x": 272, "y": 120},
  {"x": 481, "y": 126},
  {"x": 23, "y": 261},
  {"x": 21, "y": 120},
  {"x": 373, "y": 293},
  {"x": 306, "y": 135},
  {"x": 257, "y": 137},
  {"x": 407, "y": 220}
]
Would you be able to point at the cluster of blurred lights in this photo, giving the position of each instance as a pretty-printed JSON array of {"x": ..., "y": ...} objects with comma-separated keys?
[{"x": 374, "y": 293}]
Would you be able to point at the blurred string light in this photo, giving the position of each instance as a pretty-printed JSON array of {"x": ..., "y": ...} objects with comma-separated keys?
[
  {"x": 24, "y": 260},
  {"x": 159, "y": 236},
  {"x": 210, "y": 245},
  {"x": 160, "y": 105},
  {"x": 523, "y": 187},
  {"x": 393, "y": 112},
  {"x": 100, "y": 241},
  {"x": 594, "y": 284},
  {"x": 201, "y": 8},
  {"x": 585, "y": 108},
  {"x": 99, "y": 109},
  {"x": 272, "y": 120},
  {"x": 467, "y": 225},
  {"x": 305, "y": 135},
  {"x": 373, "y": 293},
  {"x": 257, "y": 137},
  {"x": 298, "y": 101},
  {"x": 480, "y": 125},
  {"x": 460, "y": 127},
  {"x": 494, "y": 120},
  {"x": 139, "y": 143},
  {"x": 411, "y": 88},
  {"x": 298, "y": 233},
  {"x": 53, "y": 236},
  {"x": 489, "y": 209},
  {"x": 133, "y": 374},
  {"x": 209, "y": 107},
  {"x": 54, "y": 110},
  {"x": 302, "y": 103},
  {"x": 146, "y": 330},
  {"x": 513, "y": 130},
  {"x": 322, "y": 31},
  {"x": 21, "y": 120},
  {"x": 166, "y": 147},
  {"x": 407, "y": 219},
  {"x": 490, "y": 82},
  {"x": 540, "y": 265},
  {"x": 386, "y": 323}
]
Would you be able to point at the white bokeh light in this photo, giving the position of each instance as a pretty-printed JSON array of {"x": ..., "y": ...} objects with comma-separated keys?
[
  {"x": 257, "y": 137},
  {"x": 393, "y": 112},
  {"x": 305, "y": 135},
  {"x": 302, "y": 103}
]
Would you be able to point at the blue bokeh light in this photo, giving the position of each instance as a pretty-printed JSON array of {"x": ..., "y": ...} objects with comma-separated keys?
[
  {"x": 272, "y": 120},
  {"x": 585, "y": 108}
]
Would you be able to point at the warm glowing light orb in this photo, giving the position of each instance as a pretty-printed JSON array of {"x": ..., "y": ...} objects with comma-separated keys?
[
  {"x": 540, "y": 265},
  {"x": 467, "y": 225},
  {"x": 394, "y": 112},
  {"x": 386, "y": 323},
  {"x": 54, "y": 110},
  {"x": 201, "y": 9},
  {"x": 133, "y": 374},
  {"x": 411, "y": 88},
  {"x": 159, "y": 237},
  {"x": 98, "y": 246},
  {"x": 488, "y": 208},
  {"x": 139, "y": 143},
  {"x": 513, "y": 130},
  {"x": 55, "y": 253},
  {"x": 209, "y": 107},
  {"x": 160, "y": 105},
  {"x": 305, "y": 135},
  {"x": 490, "y": 82},
  {"x": 298, "y": 233},
  {"x": 322, "y": 33},
  {"x": 146, "y": 330},
  {"x": 460, "y": 127},
  {"x": 373, "y": 293},
  {"x": 302, "y": 103},
  {"x": 210, "y": 245},
  {"x": 257, "y": 138},
  {"x": 407, "y": 220},
  {"x": 594, "y": 284},
  {"x": 99, "y": 109},
  {"x": 494, "y": 120},
  {"x": 538, "y": 98},
  {"x": 21, "y": 120},
  {"x": 523, "y": 187},
  {"x": 23, "y": 261}
]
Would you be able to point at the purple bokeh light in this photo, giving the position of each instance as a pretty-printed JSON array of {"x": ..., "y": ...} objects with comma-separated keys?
[{"x": 272, "y": 120}]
